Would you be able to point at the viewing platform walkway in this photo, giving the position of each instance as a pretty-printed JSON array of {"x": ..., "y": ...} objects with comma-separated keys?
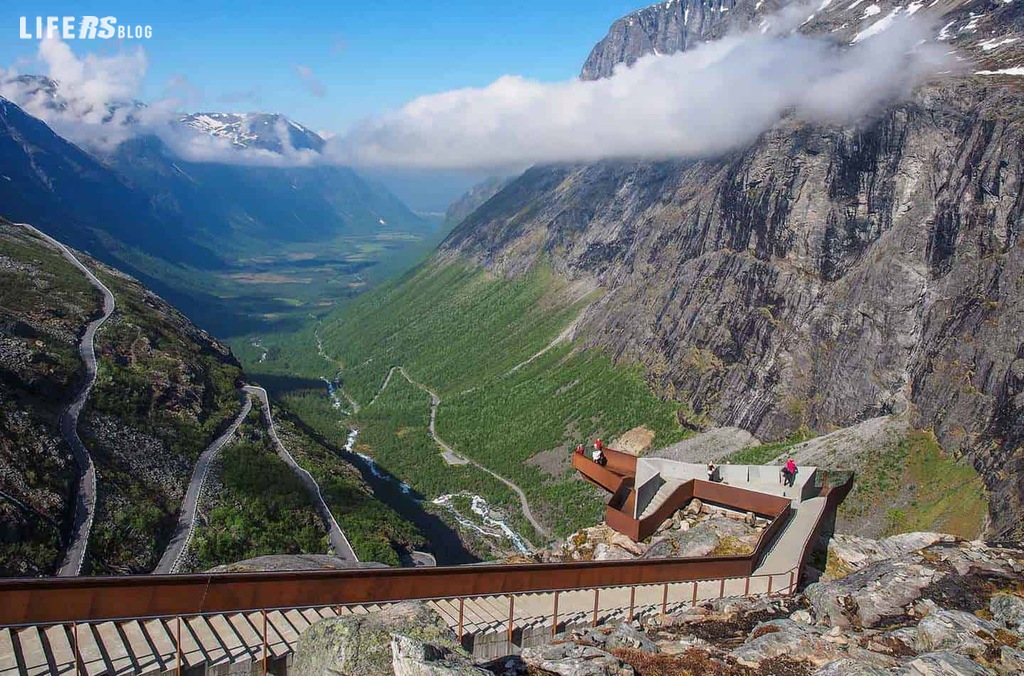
[{"x": 251, "y": 622}]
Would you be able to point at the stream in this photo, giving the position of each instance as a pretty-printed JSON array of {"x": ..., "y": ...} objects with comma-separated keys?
[{"x": 491, "y": 527}]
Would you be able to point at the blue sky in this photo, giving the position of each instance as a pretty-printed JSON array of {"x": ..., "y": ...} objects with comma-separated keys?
[{"x": 368, "y": 57}]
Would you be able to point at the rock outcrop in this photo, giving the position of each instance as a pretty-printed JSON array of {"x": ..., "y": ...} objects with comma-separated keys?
[
  {"x": 691, "y": 532},
  {"x": 406, "y": 638},
  {"x": 928, "y": 607},
  {"x": 276, "y": 562}
]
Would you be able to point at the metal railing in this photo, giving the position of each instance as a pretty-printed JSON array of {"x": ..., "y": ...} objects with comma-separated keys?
[{"x": 555, "y": 620}]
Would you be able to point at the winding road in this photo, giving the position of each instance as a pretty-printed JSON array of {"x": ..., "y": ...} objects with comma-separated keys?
[
  {"x": 171, "y": 559},
  {"x": 170, "y": 562},
  {"x": 340, "y": 544},
  {"x": 85, "y": 500},
  {"x": 453, "y": 458}
]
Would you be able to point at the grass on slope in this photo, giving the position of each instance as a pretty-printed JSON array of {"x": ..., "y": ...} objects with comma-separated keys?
[
  {"x": 394, "y": 431},
  {"x": 373, "y": 529},
  {"x": 919, "y": 488},
  {"x": 765, "y": 453},
  {"x": 452, "y": 327},
  {"x": 255, "y": 506},
  {"x": 461, "y": 332}
]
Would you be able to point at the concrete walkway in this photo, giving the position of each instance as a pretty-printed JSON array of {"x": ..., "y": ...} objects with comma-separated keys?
[{"x": 788, "y": 549}]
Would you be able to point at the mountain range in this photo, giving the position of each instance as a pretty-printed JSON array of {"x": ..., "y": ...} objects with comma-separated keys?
[
  {"x": 828, "y": 279},
  {"x": 169, "y": 220}
]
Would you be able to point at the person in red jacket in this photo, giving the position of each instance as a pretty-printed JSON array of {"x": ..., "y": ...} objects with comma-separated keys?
[
  {"x": 789, "y": 472},
  {"x": 599, "y": 456}
]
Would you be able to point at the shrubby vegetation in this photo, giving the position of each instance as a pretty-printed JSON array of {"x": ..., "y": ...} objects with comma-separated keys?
[
  {"x": 164, "y": 381},
  {"x": 44, "y": 302},
  {"x": 373, "y": 529},
  {"x": 917, "y": 486},
  {"x": 560, "y": 399},
  {"x": 255, "y": 506},
  {"x": 394, "y": 431}
]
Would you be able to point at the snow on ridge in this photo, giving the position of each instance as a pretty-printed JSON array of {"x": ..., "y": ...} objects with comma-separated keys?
[
  {"x": 1015, "y": 70},
  {"x": 944, "y": 33},
  {"x": 872, "y": 10},
  {"x": 996, "y": 43},
  {"x": 877, "y": 27}
]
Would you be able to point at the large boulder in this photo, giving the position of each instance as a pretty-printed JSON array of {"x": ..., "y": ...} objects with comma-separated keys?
[
  {"x": 944, "y": 664},
  {"x": 572, "y": 659},
  {"x": 851, "y": 667},
  {"x": 361, "y": 645},
  {"x": 625, "y": 635},
  {"x": 412, "y": 657},
  {"x": 1009, "y": 610},
  {"x": 604, "y": 551},
  {"x": 1011, "y": 661},
  {"x": 849, "y": 553},
  {"x": 802, "y": 643},
  {"x": 956, "y": 631},
  {"x": 698, "y": 541},
  {"x": 866, "y": 597}
]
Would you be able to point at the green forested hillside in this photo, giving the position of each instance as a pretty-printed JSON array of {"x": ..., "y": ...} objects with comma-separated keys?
[{"x": 474, "y": 339}]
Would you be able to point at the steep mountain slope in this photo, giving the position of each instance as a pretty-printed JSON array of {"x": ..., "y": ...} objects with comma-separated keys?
[
  {"x": 44, "y": 303},
  {"x": 164, "y": 390},
  {"x": 820, "y": 277},
  {"x": 666, "y": 27},
  {"x": 473, "y": 198},
  {"x": 45, "y": 179}
]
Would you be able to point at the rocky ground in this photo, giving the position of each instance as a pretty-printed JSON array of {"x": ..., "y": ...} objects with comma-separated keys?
[
  {"x": 695, "y": 530},
  {"x": 917, "y": 604}
]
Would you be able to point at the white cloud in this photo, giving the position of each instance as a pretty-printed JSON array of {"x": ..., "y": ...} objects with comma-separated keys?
[
  {"x": 712, "y": 99},
  {"x": 96, "y": 105}
]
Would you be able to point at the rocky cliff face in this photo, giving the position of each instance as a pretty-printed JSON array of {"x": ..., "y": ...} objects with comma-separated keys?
[
  {"x": 664, "y": 28},
  {"x": 820, "y": 277}
]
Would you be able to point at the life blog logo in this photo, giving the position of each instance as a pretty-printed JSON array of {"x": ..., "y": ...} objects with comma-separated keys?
[{"x": 81, "y": 28}]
